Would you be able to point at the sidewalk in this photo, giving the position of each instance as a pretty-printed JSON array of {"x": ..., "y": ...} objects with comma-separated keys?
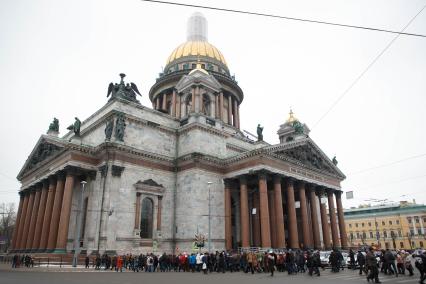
[{"x": 50, "y": 268}]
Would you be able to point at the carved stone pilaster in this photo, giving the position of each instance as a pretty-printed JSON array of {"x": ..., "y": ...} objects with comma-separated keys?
[{"x": 116, "y": 171}]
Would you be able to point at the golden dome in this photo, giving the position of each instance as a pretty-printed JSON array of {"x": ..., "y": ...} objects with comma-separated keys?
[{"x": 196, "y": 48}]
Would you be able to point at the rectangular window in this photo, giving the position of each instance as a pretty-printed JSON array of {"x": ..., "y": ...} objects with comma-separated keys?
[
  {"x": 371, "y": 235},
  {"x": 401, "y": 244},
  {"x": 390, "y": 222},
  {"x": 383, "y": 223},
  {"x": 412, "y": 232},
  {"x": 362, "y": 224},
  {"x": 350, "y": 225},
  {"x": 419, "y": 231},
  {"x": 356, "y": 225},
  {"x": 417, "y": 220},
  {"x": 409, "y": 220},
  {"x": 397, "y": 222},
  {"x": 357, "y": 235},
  {"x": 369, "y": 224}
]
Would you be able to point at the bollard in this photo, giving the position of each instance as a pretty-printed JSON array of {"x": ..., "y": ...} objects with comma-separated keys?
[
  {"x": 48, "y": 261},
  {"x": 60, "y": 264}
]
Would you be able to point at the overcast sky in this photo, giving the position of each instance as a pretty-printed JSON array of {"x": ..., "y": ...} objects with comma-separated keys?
[{"x": 58, "y": 57}]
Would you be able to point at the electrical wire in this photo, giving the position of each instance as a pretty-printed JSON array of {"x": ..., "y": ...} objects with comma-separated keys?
[
  {"x": 282, "y": 17},
  {"x": 365, "y": 70},
  {"x": 387, "y": 164}
]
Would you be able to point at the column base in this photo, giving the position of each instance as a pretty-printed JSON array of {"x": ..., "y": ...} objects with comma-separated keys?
[{"x": 59, "y": 251}]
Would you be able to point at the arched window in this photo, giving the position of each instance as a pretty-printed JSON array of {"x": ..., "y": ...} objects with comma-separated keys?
[{"x": 147, "y": 214}]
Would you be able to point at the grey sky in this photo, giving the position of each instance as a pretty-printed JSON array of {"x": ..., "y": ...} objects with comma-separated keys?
[{"x": 58, "y": 57}]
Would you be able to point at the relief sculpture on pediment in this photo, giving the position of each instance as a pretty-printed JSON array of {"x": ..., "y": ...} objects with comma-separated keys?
[
  {"x": 308, "y": 157},
  {"x": 43, "y": 151}
]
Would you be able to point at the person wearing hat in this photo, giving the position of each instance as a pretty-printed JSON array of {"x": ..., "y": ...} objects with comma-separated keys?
[{"x": 372, "y": 266}]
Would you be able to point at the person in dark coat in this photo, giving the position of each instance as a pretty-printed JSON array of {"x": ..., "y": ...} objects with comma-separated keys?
[
  {"x": 372, "y": 266},
  {"x": 352, "y": 259},
  {"x": 87, "y": 261},
  {"x": 422, "y": 267},
  {"x": 360, "y": 258},
  {"x": 334, "y": 261}
]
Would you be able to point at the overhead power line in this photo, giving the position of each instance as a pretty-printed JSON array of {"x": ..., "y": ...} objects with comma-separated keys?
[
  {"x": 388, "y": 164},
  {"x": 6, "y": 176},
  {"x": 365, "y": 70},
  {"x": 283, "y": 17},
  {"x": 390, "y": 183}
]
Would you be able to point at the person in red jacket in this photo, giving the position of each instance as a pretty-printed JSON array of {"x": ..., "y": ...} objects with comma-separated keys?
[{"x": 119, "y": 264}]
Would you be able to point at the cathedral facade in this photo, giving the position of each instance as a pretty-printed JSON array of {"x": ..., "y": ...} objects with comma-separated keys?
[{"x": 136, "y": 179}]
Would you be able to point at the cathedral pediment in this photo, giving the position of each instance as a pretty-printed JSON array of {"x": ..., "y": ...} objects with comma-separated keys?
[
  {"x": 43, "y": 151},
  {"x": 307, "y": 154}
]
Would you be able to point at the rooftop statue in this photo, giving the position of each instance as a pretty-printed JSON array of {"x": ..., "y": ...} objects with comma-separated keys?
[
  {"x": 75, "y": 127},
  {"x": 334, "y": 161},
  {"x": 259, "y": 133},
  {"x": 54, "y": 126},
  {"x": 298, "y": 127},
  {"x": 122, "y": 90}
]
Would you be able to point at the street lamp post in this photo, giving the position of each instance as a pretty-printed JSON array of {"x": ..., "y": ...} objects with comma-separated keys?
[
  {"x": 209, "y": 236},
  {"x": 77, "y": 231}
]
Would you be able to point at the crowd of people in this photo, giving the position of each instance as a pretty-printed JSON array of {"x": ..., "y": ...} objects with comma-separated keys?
[
  {"x": 369, "y": 262},
  {"x": 22, "y": 260},
  {"x": 389, "y": 262}
]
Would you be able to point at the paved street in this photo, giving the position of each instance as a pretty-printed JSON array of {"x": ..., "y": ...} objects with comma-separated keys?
[{"x": 69, "y": 275}]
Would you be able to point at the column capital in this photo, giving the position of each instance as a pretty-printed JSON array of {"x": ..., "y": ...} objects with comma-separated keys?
[
  {"x": 310, "y": 186},
  {"x": 262, "y": 174},
  {"x": 290, "y": 180},
  {"x": 103, "y": 170},
  {"x": 338, "y": 193},
  {"x": 21, "y": 194},
  {"x": 320, "y": 192},
  {"x": 300, "y": 184},
  {"x": 243, "y": 179},
  {"x": 60, "y": 175},
  {"x": 71, "y": 171},
  {"x": 116, "y": 171},
  {"x": 329, "y": 191},
  {"x": 277, "y": 178},
  {"x": 52, "y": 179},
  {"x": 32, "y": 189},
  {"x": 229, "y": 183},
  {"x": 38, "y": 187}
]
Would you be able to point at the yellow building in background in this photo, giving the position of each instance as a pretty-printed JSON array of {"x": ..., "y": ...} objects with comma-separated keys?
[{"x": 396, "y": 226}]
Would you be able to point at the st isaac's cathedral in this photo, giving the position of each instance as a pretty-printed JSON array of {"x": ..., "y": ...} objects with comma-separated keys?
[{"x": 136, "y": 179}]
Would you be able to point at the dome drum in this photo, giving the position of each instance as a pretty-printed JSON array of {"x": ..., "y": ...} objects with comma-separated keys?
[{"x": 196, "y": 79}]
